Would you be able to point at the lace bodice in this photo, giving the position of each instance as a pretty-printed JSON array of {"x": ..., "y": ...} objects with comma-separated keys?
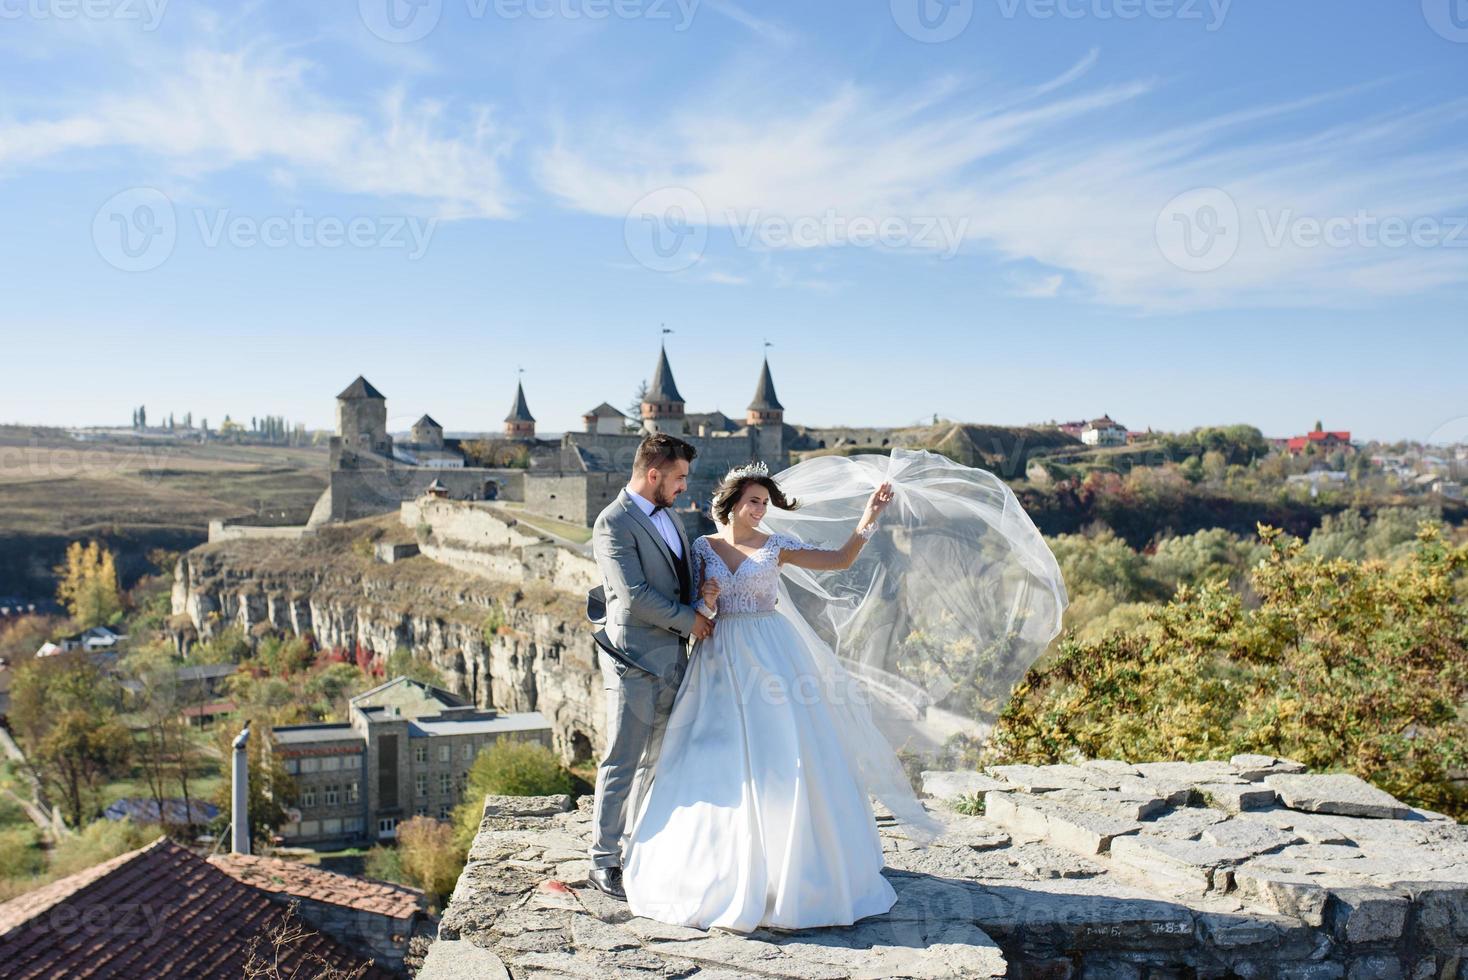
[{"x": 754, "y": 585}]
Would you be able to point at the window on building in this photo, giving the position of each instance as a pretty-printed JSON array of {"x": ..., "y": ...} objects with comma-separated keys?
[
  {"x": 331, "y": 763},
  {"x": 292, "y": 829},
  {"x": 332, "y": 826},
  {"x": 308, "y": 796},
  {"x": 352, "y": 792},
  {"x": 352, "y": 825},
  {"x": 352, "y": 761},
  {"x": 445, "y": 781},
  {"x": 420, "y": 754},
  {"x": 422, "y": 810},
  {"x": 332, "y": 794},
  {"x": 443, "y": 753},
  {"x": 421, "y": 783},
  {"x": 443, "y": 811},
  {"x": 387, "y": 827},
  {"x": 310, "y": 828},
  {"x": 292, "y": 766},
  {"x": 310, "y": 764}
]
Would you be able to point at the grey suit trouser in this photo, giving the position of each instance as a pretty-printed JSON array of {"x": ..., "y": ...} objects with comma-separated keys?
[{"x": 638, "y": 704}]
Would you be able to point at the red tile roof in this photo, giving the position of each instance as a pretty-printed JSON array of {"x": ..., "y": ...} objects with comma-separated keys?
[
  {"x": 159, "y": 911},
  {"x": 306, "y": 881}
]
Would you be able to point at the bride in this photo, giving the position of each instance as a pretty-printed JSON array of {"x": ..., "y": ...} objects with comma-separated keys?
[
  {"x": 758, "y": 812},
  {"x": 755, "y": 815}
]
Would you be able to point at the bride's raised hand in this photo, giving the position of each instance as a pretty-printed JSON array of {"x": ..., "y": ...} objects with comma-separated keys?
[
  {"x": 710, "y": 592},
  {"x": 876, "y": 503}
]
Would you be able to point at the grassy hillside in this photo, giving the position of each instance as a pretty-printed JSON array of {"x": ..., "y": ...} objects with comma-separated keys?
[{"x": 134, "y": 495}]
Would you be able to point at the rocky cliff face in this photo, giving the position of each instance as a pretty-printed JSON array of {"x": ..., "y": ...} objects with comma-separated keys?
[{"x": 512, "y": 646}]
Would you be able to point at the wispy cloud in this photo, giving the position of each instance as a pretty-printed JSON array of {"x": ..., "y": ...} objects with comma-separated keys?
[
  {"x": 1073, "y": 178},
  {"x": 766, "y": 29},
  {"x": 223, "y": 109}
]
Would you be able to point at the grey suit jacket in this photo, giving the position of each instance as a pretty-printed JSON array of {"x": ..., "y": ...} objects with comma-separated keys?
[{"x": 645, "y": 622}]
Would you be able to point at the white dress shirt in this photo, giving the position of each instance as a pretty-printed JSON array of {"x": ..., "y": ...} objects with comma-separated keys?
[{"x": 662, "y": 520}]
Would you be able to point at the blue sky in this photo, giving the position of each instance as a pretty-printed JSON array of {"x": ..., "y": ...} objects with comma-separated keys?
[{"x": 1005, "y": 211}]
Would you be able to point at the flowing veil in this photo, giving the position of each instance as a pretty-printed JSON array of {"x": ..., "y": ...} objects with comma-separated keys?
[{"x": 941, "y": 615}]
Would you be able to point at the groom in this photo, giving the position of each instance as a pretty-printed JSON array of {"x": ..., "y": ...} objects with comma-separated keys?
[{"x": 645, "y": 606}]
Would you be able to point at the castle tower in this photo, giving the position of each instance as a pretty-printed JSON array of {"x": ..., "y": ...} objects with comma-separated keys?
[
  {"x": 427, "y": 432},
  {"x": 361, "y": 419},
  {"x": 662, "y": 406},
  {"x": 519, "y": 424},
  {"x": 766, "y": 416}
]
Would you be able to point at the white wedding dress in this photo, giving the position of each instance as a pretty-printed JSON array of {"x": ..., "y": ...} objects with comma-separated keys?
[{"x": 755, "y": 815}]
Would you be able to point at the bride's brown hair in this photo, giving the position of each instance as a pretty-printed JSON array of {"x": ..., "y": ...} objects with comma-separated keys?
[{"x": 728, "y": 492}]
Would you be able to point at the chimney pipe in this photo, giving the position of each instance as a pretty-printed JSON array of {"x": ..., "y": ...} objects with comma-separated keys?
[{"x": 240, "y": 798}]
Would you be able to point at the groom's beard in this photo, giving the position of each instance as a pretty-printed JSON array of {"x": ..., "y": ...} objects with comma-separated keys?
[{"x": 662, "y": 497}]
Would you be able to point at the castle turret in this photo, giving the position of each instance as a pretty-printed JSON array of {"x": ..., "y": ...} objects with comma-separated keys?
[
  {"x": 662, "y": 406},
  {"x": 361, "y": 419},
  {"x": 519, "y": 424},
  {"x": 767, "y": 417},
  {"x": 427, "y": 432}
]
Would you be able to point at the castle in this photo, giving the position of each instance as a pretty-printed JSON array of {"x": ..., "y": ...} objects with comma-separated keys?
[{"x": 570, "y": 479}]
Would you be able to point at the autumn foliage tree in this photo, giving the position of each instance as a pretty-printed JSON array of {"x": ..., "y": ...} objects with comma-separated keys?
[
  {"x": 87, "y": 584},
  {"x": 1359, "y": 666}
]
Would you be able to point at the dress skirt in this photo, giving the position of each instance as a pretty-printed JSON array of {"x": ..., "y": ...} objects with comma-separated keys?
[{"x": 754, "y": 815}]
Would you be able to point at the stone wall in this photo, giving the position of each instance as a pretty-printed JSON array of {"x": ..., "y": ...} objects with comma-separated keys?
[
  {"x": 371, "y": 490},
  {"x": 478, "y": 538},
  {"x": 574, "y": 498},
  {"x": 1103, "y": 870}
]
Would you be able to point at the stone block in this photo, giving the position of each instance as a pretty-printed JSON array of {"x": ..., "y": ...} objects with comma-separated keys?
[
  {"x": 459, "y": 959},
  {"x": 1284, "y": 892},
  {"x": 1380, "y": 967},
  {"x": 946, "y": 785},
  {"x": 1339, "y": 793},
  {"x": 1256, "y": 838},
  {"x": 1235, "y": 798},
  {"x": 1042, "y": 779},
  {"x": 1255, "y": 767},
  {"x": 1440, "y": 921},
  {"x": 1367, "y": 915},
  {"x": 1189, "y": 864}
]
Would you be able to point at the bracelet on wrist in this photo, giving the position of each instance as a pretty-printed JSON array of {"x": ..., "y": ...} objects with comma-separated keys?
[{"x": 865, "y": 533}]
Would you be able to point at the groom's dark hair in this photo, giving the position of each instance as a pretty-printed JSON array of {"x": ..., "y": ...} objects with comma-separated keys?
[{"x": 658, "y": 449}]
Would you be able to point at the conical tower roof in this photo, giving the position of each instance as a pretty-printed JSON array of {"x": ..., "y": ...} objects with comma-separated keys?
[
  {"x": 519, "y": 412},
  {"x": 361, "y": 388},
  {"x": 764, "y": 393},
  {"x": 663, "y": 388}
]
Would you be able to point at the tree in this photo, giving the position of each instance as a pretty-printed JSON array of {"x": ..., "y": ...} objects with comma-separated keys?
[
  {"x": 87, "y": 584},
  {"x": 1360, "y": 666},
  {"x": 429, "y": 858},
  {"x": 64, "y": 710},
  {"x": 271, "y": 788},
  {"x": 166, "y": 752},
  {"x": 509, "y": 767}
]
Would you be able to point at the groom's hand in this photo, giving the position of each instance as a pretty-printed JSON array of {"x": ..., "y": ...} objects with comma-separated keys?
[{"x": 703, "y": 627}]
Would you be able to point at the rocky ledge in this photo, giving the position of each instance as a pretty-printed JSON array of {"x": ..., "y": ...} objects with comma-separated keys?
[{"x": 1248, "y": 868}]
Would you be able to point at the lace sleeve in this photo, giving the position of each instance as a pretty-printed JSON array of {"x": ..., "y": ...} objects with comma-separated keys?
[{"x": 789, "y": 542}]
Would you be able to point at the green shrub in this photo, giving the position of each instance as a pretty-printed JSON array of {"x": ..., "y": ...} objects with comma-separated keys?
[
  {"x": 509, "y": 767},
  {"x": 1344, "y": 665}
]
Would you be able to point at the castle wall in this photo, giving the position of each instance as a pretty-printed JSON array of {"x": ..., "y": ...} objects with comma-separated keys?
[{"x": 357, "y": 493}]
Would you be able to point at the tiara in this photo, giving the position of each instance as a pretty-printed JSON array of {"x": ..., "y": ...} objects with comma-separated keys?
[{"x": 748, "y": 469}]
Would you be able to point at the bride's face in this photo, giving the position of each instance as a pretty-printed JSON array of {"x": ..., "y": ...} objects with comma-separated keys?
[{"x": 751, "y": 507}]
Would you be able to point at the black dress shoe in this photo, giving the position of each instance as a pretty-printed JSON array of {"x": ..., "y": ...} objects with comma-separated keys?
[{"x": 609, "y": 881}]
